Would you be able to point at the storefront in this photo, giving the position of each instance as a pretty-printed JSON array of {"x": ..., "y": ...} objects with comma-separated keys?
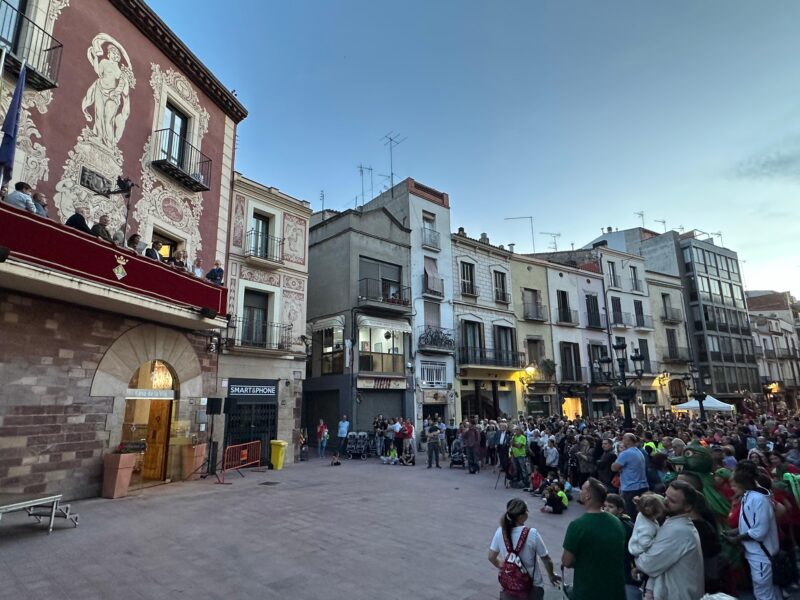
[
  {"x": 251, "y": 413},
  {"x": 378, "y": 396}
]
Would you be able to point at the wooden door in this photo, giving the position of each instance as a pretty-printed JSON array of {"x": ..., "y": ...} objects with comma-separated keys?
[{"x": 155, "y": 459}]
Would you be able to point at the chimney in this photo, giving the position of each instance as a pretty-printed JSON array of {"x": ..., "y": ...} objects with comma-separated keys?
[
  {"x": 609, "y": 230},
  {"x": 461, "y": 231},
  {"x": 511, "y": 248},
  {"x": 501, "y": 247},
  {"x": 484, "y": 239}
]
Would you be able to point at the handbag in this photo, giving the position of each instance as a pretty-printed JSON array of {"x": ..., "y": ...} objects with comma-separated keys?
[{"x": 784, "y": 569}]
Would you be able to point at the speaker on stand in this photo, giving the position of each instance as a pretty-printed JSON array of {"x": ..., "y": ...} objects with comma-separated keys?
[{"x": 213, "y": 408}]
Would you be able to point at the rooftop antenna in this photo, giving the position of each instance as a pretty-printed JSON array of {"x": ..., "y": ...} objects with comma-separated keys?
[
  {"x": 555, "y": 237},
  {"x": 361, "y": 172},
  {"x": 533, "y": 244},
  {"x": 640, "y": 214},
  {"x": 392, "y": 140},
  {"x": 371, "y": 183},
  {"x": 663, "y": 222},
  {"x": 719, "y": 235},
  {"x": 322, "y": 198},
  {"x": 681, "y": 228}
]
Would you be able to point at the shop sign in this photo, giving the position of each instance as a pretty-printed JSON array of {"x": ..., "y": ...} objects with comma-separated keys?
[
  {"x": 434, "y": 396},
  {"x": 381, "y": 383},
  {"x": 262, "y": 389}
]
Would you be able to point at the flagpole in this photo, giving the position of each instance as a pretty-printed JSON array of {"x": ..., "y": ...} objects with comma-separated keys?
[{"x": 2, "y": 85}]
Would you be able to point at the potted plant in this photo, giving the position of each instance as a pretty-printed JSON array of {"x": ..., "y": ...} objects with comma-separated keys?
[
  {"x": 117, "y": 470},
  {"x": 547, "y": 368}
]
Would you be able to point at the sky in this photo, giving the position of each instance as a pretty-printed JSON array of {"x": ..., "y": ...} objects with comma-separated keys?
[{"x": 579, "y": 113}]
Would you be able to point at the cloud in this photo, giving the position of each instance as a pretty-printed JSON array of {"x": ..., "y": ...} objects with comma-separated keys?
[{"x": 779, "y": 162}]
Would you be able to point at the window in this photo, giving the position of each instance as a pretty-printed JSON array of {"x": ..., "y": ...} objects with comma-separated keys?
[
  {"x": 379, "y": 281},
  {"x": 738, "y": 296},
  {"x": 596, "y": 352},
  {"x": 168, "y": 245},
  {"x": 332, "y": 350},
  {"x": 564, "y": 312},
  {"x": 666, "y": 302},
  {"x": 260, "y": 241},
  {"x": 672, "y": 342},
  {"x": 504, "y": 346},
  {"x": 687, "y": 258},
  {"x": 468, "y": 279},
  {"x": 428, "y": 220},
  {"x": 713, "y": 343},
  {"x": 716, "y": 290},
  {"x": 612, "y": 274},
  {"x": 432, "y": 373},
  {"x": 500, "y": 292},
  {"x": 472, "y": 342},
  {"x": 430, "y": 237},
  {"x": 532, "y": 304},
  {"x": 644, "y": 352},
  {"x": 432, "y": 283},
  {"x": 616, "y": 311},
  {"x": 535, "y": 350},
  {"x": 570, "y": 362},
  {"x": 638, "y": 311},
  {"x": 256, "y": 330},
  {"x": 636, "y": 284},
  {"x": 593, "y": 312},
  {"x": 381, "y": 350},
  {"x": 432, "y": 314},
  {"x": 173, "y": 143}
]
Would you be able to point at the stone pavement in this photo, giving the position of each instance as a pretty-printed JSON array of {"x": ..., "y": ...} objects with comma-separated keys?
[{"x": 359, "y": 531}]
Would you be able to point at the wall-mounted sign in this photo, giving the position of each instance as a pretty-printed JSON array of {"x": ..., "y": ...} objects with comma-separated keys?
[
  {"x": 142, "y": 393},
  {"x": 434, "y": 396},
  {"x": 381, "y": 383},
  {"x": 262, "y": 389}
]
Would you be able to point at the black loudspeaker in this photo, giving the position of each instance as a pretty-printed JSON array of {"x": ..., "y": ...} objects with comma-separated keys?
[
  {"x": 208, "y": 313},
  {"x": 214, "y": 406}
]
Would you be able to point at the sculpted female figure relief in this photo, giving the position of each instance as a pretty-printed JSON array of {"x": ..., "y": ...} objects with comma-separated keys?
[{"x": 108, "y": 96}]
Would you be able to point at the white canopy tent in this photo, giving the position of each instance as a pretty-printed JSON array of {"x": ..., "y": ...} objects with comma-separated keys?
[{"x": 710, "y": 403}]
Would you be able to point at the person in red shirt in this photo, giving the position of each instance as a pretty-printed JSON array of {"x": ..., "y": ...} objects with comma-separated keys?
[{"x": 322, "y": 438}]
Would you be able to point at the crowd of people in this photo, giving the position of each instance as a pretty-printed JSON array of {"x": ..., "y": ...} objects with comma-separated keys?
[{"x": 25, "y": 198}]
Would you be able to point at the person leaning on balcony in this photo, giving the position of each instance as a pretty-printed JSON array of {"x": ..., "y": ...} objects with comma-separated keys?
[
  {"x": 134, "y": 241},
  {"x": 21, "y": 197},
  {"x": 197, "y": 267},
  {"x": 78, "y": 220},
  {"x": 216, "y": 274},
  {"x": 100, "y": 229},
  {"x": 40, "y": 203},
  {"x": 154, "y": 251}
]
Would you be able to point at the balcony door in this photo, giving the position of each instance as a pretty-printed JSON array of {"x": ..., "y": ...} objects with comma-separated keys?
[
  {"x": 564, "y": 314},
  {"x": 504, "y": 346},
  {"x": 11, "y": 21},
  {"x": 173, "y": 145},
  {"x": 616, "y": 309},
  {"x": 570, "y": 362},
  {"x": 473, "y": 341},
  {"x": 593, "y": 311},
  {"x": 672, "y": 342},
  {"x": 255, "y": 319}
]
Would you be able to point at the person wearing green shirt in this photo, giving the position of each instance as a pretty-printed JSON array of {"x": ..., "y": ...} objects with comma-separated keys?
[
  {"x": 519, "y": 454},
  {"x": 594, "y": 546}
]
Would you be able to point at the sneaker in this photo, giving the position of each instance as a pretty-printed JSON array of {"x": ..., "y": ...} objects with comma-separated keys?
[
  {"x": 438, "y": 467},
  {"x": 429, "y": 466}
]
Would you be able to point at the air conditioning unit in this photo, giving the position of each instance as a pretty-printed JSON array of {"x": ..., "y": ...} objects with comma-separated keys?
[{"x": 547, "y": 398}]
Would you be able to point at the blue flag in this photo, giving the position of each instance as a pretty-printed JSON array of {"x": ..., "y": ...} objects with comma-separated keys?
[{"x": 10, "y": 125}]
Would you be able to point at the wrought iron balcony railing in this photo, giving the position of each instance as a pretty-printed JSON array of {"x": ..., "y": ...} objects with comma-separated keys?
[
  {"x": 594, "y": 320},
  {"x": 675, "y": 354},
  {"x": 566, "y": 316},
  {"x": 468, "y": 288},
  {"x": 533, "y": 311},
  {"x": 386, "y": 292},
  {"x": 175, "y": 156},
  {"x": 265, "y": 247},
  {"x": 613, "y": 281},
  {"x": 25, "y": 41},
  {"x": 492, "y": 358},
  {"x": 502, "y": 296},
  {"x": 643, "y": 321},
  {"x": 430, "y": 238},
  {"x": 672, "y": 315},
  {"x": 620, "y": 319},
  {"x": 437, "y": 339},
  {"x": 573, "y": 374},
  {"x": 255, "y": 333},
  {"x": 637, "y": 285}
]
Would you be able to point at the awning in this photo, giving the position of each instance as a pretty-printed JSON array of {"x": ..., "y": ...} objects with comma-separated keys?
[
  {"x": 327, "y": 323},
  {"x": 390, "y": 324},
  {"x": 435, "y": 283}
]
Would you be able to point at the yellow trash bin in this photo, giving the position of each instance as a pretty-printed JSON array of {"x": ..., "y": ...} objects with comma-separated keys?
[{"x": 278, "y": 453}]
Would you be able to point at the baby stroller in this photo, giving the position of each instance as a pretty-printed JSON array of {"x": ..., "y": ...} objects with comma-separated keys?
[
  {"x": 360, "y": 445},
  {"x": 457, "y": 458}
]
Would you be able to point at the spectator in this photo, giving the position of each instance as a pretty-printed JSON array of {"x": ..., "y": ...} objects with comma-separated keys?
[
  {"x": 519, "y": 454},
  {"x": 197, "y": 267},
  {"x": 100, "y": 228},
  {"x": 341, "y": 433},
  {"x": 472, "y": 440},
  {"x": 21, "y": 197},
  {"x": 179, "y": 260},
  {"x": 216, "y": 274},
  {"x": 40, "y": 203},
  {"x": 615, "y": 505},
  {"x": 551, "y": 455},
  {"x": 119, "y": 236},
  {"x": 78, "y": 220},
  {"x": 391, "y": 455},
  {"x": 631, "y": 464},
  {"x": 594, "y": 546},
  {"x": 607, "y": 458},
  {"x": 433, "y": 444},
  {"x": 322, "y": 438},
  {"x": 154, "y": 251},
  {"x": 134, "y": 243}
]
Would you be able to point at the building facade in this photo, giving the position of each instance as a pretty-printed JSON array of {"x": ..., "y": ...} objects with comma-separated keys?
[
  {"x": 263, "y": 345},
  {"x": 105, "y": 348}
]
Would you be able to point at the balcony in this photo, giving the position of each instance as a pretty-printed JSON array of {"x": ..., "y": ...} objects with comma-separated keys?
[
  {"x": 565, "y": 316},
  {"x": 574, "y": 375},
  {"x": 432, "y": 286},
  {"x": 770, "y": 353},
  {"x": 490, "y": 358},
  {"x": 436, "y": 339},
  {"x": 377, "y": 362},
  {"x": 55, "y": 261},
  {"x": 258, "y": 334},
  {"x": 675, "y": 354},
  {"x": 468, "y": 288},
  {"x": 533, "y": 311},
  {"x": 784, "y": 353},
  {"x": 759, "y": 351},
  {"x": 672, "y": 315},
  {"x": 431, "y": 239},
  {"x": 613, "y": 281},
  {"x": 177, "y": 158},
  {"x": 25, "y": 41},
  {"x": 643, "y": 321},
  {"x": 637, "y": 285},
  {"x": 388, "y": 295},
  {"x": 594, "y": 320},
  {"x": 502, "y": 296},
  {"x": 620, "y": 320},
  {"x": 264, "y": 250}
]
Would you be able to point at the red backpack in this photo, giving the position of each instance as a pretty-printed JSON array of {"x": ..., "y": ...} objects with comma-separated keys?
[{"x": 513, "y": 576}]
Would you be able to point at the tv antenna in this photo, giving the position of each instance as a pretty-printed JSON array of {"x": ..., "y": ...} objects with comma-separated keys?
[
  {"x": 681, "y": 228},
  {"x": 392, "y": 140},
  {"x": 555, "y": 237},
  {"x": 533, "y": 243},
  {"x": 322, "y": 198},
  {"x": 663, "y": 222},
  {"x": 640, "y": 214},
  {"x": 719, "y": 235}
]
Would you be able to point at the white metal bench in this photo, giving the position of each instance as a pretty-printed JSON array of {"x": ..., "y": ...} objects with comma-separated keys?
[{"x": 39, "y": 507}]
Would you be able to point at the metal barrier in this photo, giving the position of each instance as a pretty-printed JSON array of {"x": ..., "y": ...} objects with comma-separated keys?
[{"x": 238, "y": 457}]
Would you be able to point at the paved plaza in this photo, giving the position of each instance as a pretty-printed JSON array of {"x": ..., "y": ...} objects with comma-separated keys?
[{"x": 362, "y": 530}]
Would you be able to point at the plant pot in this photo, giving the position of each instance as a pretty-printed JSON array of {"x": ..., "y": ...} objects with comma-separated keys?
[
  {"x": 192, "y": 458},
  {"x": 117, "y": 471}
]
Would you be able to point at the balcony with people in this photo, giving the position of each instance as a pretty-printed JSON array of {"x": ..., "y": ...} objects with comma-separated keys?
[{"x": 89, "y": 267}]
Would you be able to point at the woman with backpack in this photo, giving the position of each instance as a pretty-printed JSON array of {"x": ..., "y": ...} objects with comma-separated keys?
[{"x": 514, "y": 551}]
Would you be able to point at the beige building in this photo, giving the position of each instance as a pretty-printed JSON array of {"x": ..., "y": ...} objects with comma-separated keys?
[{"x": 262, "y": 353}]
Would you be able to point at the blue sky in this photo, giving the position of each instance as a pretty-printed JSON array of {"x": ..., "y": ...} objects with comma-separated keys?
[{"x": 579, "y": 113}]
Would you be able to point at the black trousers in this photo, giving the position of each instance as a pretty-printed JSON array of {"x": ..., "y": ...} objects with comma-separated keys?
[{"x": 433, "y": 451}]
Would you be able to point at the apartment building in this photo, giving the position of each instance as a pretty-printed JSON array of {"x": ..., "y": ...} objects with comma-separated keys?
[{"x": 102, "y": 346}]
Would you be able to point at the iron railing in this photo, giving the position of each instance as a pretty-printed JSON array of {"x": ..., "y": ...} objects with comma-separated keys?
[
  {"x": 501, "y": 295},
  {"x": 672, "y": 315},
  {"x": 637, "y": 285},
  {"x": 533, "y": 311},
  {"x": 176, "y": 157},
  {"x": 567, "y": 316},
  {"x": 25, "y": 41},
  {"x": 770, "y": 353},
  {"x": 266, "y": 247},
  {"x": 613, "y": 280},
  {"x": 643, "y": 321},
  {"x": 673, "y": 354},
  {"x": 468, "y": 288},
  {"x": 620, "y": 319},
  {"x": 595, "y": 320},
  {"x": 255, "y": 333},
  {"x": 432, "y": 286},
  {"x": 436, "y": 338},
  {"x": 573, "y": 374},
  {"x": 381, "y": 290},
  {"x": 430, "y": 238},
  {"x": 492, "y": 358},
  {"x": 759, "y": 351},
  {"x": 784, "y": 353}
]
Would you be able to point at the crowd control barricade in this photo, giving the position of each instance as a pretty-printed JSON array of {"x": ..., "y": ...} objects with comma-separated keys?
[{"x": 238, "y": 457}]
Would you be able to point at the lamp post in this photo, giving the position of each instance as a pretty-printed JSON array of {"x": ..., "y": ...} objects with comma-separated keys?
[
  {"x": 622, "y": 390},
  {"x": 697, "y": 393}
]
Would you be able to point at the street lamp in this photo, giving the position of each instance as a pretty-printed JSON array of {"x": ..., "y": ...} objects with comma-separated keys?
[
  {"x": 622, "y": 390},
  {"x": 697, "y": 393}
]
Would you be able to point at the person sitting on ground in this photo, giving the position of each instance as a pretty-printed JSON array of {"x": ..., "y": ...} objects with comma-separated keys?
[
  {"x": 216, "y": 274},
  {"x": 555, "y": 500},
  {"x": 335, "y": 462},
  {"x": 409, "y": 459},
  {"x": 78, "y": 220},
  {"x": 40, "y": 203},
  {"x": 21, "y": 197},
  {"x": 100, "y": 229},
  {"x": 536, "y": 479},
  {"x": 133, "y": 243},
  {"x": 391, "y": 455},
  {"x": 154, "y": 251}
]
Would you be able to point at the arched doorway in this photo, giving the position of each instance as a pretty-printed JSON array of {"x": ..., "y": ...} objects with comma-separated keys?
[{"x": 150, "y": 413}]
